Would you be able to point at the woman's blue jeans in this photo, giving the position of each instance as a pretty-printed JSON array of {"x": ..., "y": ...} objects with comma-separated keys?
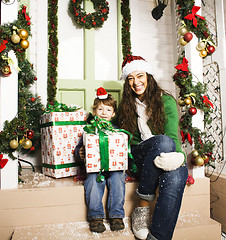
[
  {"x": 94, "y": 192},
  {"x": 171, "y": 184}
]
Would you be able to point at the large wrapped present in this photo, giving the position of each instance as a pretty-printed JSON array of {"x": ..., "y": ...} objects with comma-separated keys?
[
  {"x": 60, "y": 133},
  {"x": 106, "y": 148}
]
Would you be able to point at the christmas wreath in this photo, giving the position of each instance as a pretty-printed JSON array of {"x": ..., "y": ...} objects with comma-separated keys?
[{"x": 90, "y": 20}]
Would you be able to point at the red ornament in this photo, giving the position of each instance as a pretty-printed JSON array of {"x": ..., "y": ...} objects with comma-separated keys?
[
  {"x": 206, "y": 159},
  {"x": 32, "y": 99},
  {"x": 6, "y": 71},
  {"x": 210, "y": 49},
  {"x": 192, "y": 111},
  {"x": 188, "y": 37},
  {"x": 30, "y": 134},
  {"x": 190, "y": 180}
]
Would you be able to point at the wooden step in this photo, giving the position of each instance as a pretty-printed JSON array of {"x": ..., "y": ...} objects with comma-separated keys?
[
  {"x": 42, "y": 200},
  {"x": 192, "y": 226}
]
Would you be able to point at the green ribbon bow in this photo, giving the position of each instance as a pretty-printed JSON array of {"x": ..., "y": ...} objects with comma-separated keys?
[
  {"x": 97, "y": 124},
  {"x": 103, "y": 127},
  {"x": 59, "y": 107}
]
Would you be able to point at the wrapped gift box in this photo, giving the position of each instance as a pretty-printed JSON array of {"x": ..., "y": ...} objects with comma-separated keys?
[
  {"x": 117, "y": 152},
  {"x": 60, "y": 133}
]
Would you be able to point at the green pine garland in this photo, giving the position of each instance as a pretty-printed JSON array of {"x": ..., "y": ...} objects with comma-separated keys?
[
  {"x": 202, "y": 30},
  {"x": 29, "y": 106},
  {"x": 53, "y": 50},
  {"x": 183, "y": 79},
  {"x": 126, "y": 19}
]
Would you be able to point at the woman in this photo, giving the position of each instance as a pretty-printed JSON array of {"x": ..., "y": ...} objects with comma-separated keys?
[{"x": 150, "y": 114}]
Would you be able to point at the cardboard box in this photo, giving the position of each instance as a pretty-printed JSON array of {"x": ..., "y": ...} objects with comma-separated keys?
[
  {"x": 117, "y": 152},
  {"x": 60, "y": 133}
]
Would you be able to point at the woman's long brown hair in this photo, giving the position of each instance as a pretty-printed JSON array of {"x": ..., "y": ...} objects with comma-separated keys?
[{"x": 154, "y": 109}]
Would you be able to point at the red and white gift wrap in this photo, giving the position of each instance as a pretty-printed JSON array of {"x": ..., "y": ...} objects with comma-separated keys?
[
  {"x": 60, "y": 133},
  {"x": 118, "y": 152}
]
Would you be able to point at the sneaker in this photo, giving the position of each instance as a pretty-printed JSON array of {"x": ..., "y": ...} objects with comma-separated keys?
[
  {"x": 97, "y": 225},
  {"x": 141, "y": 222},
  {"x": 116, "y": 224}
]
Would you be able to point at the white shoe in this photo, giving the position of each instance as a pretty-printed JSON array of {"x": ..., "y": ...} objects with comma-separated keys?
[{"x": 140, "y": 222}]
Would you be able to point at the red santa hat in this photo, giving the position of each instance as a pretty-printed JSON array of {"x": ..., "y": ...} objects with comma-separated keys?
[
  {"x": 134, "y": 63},
  {"x": 101, "y": 93}
]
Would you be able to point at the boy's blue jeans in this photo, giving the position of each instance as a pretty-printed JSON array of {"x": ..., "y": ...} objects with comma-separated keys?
[
  {"x": 171, "y": 184},
  {"x": 94, "y": 192}
]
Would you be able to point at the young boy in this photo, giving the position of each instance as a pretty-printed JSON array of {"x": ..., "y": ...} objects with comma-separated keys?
[{"x": 104, "y": 107}]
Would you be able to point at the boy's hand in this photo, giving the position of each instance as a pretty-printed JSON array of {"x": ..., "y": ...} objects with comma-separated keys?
[{"x": 82, "y": 152}]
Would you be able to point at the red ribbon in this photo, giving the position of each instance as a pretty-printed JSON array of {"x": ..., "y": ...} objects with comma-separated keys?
[
  {"x": 25, "y": 15},
  {"x": 207, "y": 101},
  {"x": 193, "y": 14},
  {"x": 3, "y": 45},
  {"x": 183, "y": 66},
  {"x": 186, "y": 135},
  {"x": 3, "y": 162}
]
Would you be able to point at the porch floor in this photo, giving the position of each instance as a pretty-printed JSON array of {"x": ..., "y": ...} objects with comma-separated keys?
[{"x": 194, "y": 222}]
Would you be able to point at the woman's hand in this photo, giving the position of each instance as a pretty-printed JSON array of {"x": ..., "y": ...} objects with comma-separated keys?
[
  {"x": 82, "y": 152},
  {"x": 169, "y": 161}
]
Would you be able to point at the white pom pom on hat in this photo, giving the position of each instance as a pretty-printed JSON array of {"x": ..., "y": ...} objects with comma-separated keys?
[
  {"x": 101, "y": 93},
  {"x": 134, "y": 63}
]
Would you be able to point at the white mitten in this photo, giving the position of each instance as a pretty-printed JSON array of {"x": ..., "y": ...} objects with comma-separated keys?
[{"x": 169, "y": 161}]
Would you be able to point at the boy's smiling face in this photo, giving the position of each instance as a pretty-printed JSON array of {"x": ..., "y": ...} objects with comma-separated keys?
[{"x": 104, "y": 111}]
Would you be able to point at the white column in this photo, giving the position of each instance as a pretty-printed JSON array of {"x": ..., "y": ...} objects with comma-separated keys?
[
  {"x": 195, "y": 63},
  {"x": 9, "y": 102}
]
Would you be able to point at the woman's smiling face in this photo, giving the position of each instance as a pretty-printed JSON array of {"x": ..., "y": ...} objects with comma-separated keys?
[{"x": 138, "y": 83}]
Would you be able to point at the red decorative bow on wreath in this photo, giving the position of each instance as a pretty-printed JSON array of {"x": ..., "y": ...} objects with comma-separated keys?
[
  {"x": 3, "y": 45},
  {"x": 186, "y": 135},
  {"x": 3, "y": 162},
  {"x": 206, "y": 101},
  {"x": 183, "y": 66},
  {"x": 193, "y": 14},
  {"x": 26, "y": 16}
]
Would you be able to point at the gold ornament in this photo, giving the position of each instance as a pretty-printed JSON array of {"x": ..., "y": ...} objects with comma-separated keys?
[
  {"x": 23, "y": 34},
  {"x": 183, "y": 31},
  {"x": 201, "y": 46},
  {"x": 13, "y": 144},
  {"x": 203, "y": 53},
  {"x": 199, "y": 161},
  {"x": 195, "y": 153},
  {"x": 24, "y": 44},
  {"x": 182, "y": 42},
  {"x": 181, "y": 102},
  {"x": 15, "y": 38},
  {"x": 188, "y": 101},
  {"x": 26, "y": 144},
  {"x": 6, "y": 70}
]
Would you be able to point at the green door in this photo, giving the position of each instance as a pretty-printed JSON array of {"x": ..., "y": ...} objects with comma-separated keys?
[{"x": 88, "y": 58}]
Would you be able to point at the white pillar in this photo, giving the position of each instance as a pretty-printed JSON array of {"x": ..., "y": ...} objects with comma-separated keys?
[
  {"x": 195, "y": 63},
  {"x": 9, "y": 102}
]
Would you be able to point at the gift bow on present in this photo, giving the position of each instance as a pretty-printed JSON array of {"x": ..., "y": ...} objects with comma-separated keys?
[
  {"x": 103, "y": 128},
  {"x": 59, "y": 107}
]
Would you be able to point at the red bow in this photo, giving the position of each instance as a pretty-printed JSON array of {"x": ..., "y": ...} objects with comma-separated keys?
[
  {"x": 193, "y": 14},
  {"x": 3, "y": 162},
  {"x": 207, "y": 101},
  {"x": 183, "y": 66},
  {"x": 3, "y": 45},
  {"x": 186, "y": 135},
  {"x": 25, "y": 15}
]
